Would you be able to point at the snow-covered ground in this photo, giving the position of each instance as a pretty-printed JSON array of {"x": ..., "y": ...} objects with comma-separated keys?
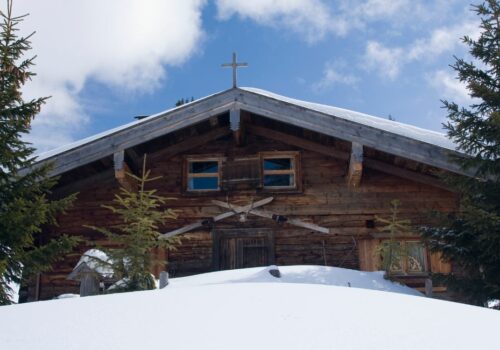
[{"x": 310, "y": 307}]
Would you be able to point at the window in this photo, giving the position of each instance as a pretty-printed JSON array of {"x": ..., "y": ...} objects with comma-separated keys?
[
  {"x": 408, "y": 257},
  {"x": 279, "y": 170},
  {"x": 203, "y": 174}
]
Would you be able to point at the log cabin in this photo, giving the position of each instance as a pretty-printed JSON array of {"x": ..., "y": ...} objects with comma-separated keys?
[{"x": 259, "y": 179}]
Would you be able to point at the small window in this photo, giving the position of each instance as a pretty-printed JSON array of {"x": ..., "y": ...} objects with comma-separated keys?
[
  {"x": 408, "y": 258},
  {"x": 203, "y": 174},
  {"x": 279, "y": 171}
]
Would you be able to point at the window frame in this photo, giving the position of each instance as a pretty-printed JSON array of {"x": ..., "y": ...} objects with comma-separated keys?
[
  {"x": 295, "y": 171},
  {"x": 187, "y": 175},
  {"x": 404, "y": 260}
]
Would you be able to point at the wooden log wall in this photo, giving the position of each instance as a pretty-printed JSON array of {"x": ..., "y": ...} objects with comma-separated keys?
[{"x": 325, "y": 199}]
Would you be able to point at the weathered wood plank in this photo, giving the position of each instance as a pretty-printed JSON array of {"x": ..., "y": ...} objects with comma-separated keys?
[
  {"x": 103, "y": 177},
  {"x": 191, "y": 143},
  {"x": 297, "y": 141}
]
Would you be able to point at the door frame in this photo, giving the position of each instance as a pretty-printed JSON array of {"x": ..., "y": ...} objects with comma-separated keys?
[{"x": 219, "y": 234}]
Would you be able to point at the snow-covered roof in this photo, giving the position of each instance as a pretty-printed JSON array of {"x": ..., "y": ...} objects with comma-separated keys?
[
  {"x": 96, "y": 260},
  {"x": 426, "y": 146},
  {"x": 253, "y": 313},
  {"x": 410, "y": 131},
  {"x": 58, "y": 150}
]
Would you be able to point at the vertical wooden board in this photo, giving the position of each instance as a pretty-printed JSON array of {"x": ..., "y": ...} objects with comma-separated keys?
[
  {"x": 368, "y": 261},
  {"x": 438, "y": 265}
]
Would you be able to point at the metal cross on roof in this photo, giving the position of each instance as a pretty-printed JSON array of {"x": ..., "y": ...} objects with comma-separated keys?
[{"x": 235, "y": 65}]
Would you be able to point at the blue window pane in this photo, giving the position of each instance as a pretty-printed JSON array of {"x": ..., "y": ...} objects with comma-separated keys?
[
  {"x": 278, "y": 180},
  {"x": 203, "y": 167},
  {"x": 203, "y": 183},
  {"x": 278, "y": 164}
]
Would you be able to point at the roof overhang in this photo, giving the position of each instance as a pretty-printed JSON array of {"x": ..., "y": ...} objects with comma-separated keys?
[{"x": 108, "y": 143}]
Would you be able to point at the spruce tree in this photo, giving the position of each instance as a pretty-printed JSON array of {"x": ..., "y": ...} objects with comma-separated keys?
[
  {"x": 24, "y": 204},
  {"x": 131, "y": 242},
  {"x": 470, "y": 238}
]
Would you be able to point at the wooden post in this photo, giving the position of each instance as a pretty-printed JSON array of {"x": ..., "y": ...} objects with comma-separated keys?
[
  {"x": 89, "y": 284},
  {"x": 89, "y": 279},
  {"x": 121, "y": 170},
  {"x": 428, "y": 287},
  {"x": 355, "y": 171},
  {"x": 235, "y": 125},
  {"x": 163, "y": 279}
]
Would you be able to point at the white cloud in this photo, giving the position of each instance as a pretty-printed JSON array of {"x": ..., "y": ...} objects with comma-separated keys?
[
  {"x": 332, "y": 75},
  {"x": 377, "y": 9},
  {"x": 310, "y": 18},
  {"x": 388, "y": 61},
  {"x": 442, "y": 40},
  {"x": 124, "y": 44},
  {"x": 450, "y": 88}
]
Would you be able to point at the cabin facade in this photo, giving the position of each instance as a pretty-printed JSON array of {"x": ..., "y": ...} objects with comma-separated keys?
[{"x": 260, "y": 179}]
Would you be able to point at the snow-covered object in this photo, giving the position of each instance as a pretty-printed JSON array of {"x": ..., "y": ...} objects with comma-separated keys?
[
  {"x": 215, "y": 313},
  {"x": 96, "y": 260},
  {"x": 410, "y": 131}
]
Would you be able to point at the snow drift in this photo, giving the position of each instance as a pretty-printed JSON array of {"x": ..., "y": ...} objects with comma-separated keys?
[{"x": 249, "y": 309}]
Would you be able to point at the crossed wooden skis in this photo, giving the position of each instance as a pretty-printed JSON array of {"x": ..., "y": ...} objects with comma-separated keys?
[{"x": 250, "y": 209}]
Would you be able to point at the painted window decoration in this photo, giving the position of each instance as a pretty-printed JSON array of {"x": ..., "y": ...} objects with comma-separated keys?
[
  {"x": 408, "y": 257},
  {"x": 279, "y": 171},
  {"x": 203, "y": 175}
]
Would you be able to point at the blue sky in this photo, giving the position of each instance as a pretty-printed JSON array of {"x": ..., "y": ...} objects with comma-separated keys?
[{"x": 105, "y": 62}]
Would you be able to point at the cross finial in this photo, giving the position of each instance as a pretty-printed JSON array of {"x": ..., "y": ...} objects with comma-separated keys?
[{"x": 234, "y": 65}]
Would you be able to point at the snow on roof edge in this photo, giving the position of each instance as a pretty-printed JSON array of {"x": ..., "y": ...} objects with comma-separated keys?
[
  {"x": 410, "y": 131},
  {"x": 62, "y": 149},
  {"x": 420, "y": 134}
]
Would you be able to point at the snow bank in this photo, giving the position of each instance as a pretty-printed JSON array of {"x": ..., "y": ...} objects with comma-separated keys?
[
  {"x": 306, "y": 274},
  {"x": 309, "y": 307}
]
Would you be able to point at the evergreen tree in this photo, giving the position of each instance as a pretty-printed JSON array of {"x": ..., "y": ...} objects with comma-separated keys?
[
  {"x": 183, "y": 101},
  {"x": 391, "y": 250},
  {"x": 24, "y": 203},
  {"x": 471, "y": 237},
  {"x": 132, "y": 240}
]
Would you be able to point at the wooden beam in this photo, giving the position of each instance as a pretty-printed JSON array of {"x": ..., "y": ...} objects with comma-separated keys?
[
  {"x": 332, "y": 152},
  {"x": 405, "y": 173},
  {"x": 219, "y": 217},
  {"x": 236, "y": 125},
  {"x": 297, "y": 141},
  {"x": 272, "y": 216},
  {"x": 355, "y": 170},
  {"x": 193, "y": 142},
  {"x": 121, "y": 169},
  {"x": 234, "y": 119},
  {"x": 135, "y": 160}
]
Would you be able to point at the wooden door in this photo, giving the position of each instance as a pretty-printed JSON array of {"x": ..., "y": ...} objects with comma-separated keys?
[{"x": 241, "y": 248}]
